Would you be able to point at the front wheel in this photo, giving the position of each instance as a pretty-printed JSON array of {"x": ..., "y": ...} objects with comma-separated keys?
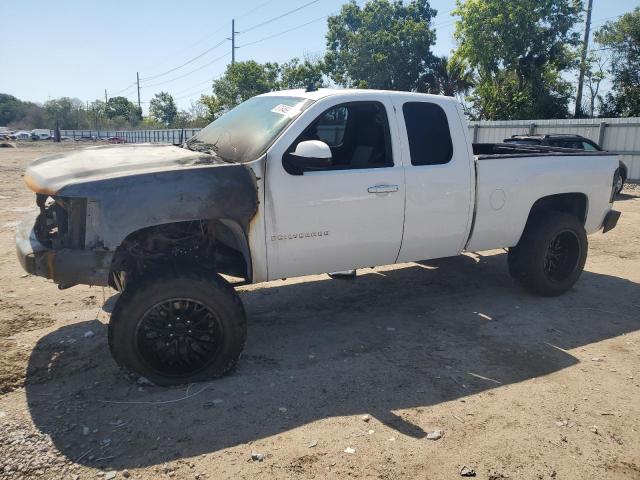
[
  {"x": 178, "y": 328},
  {"x": 551, "y": 254}
]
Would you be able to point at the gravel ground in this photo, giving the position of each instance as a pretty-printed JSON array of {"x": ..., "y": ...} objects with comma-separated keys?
[{"x": 420, "y": 370}]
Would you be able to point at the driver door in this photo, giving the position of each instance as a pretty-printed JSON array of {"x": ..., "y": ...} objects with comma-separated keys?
[{"x": 346, "y": 215}]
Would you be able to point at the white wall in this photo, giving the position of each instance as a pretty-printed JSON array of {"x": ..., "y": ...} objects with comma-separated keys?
[{"x": 620, "y": 135}]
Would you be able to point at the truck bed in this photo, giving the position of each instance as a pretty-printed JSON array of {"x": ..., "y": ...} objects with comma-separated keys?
[{"x": 509, "y": 180}]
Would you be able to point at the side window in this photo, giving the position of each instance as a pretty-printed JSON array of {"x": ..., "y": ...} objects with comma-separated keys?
[
  {"x": 357, "y": 134},
  {"x": 428, "y": 131},
  {"x": 588, "y": 146},
  {"x": 573, "y": 144},
  {"x": 332, "y": 125}
]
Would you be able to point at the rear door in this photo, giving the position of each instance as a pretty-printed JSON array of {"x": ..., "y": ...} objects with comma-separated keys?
[
  {"x": 347, "y": 215},
  {"x": 440, "y": 181}
]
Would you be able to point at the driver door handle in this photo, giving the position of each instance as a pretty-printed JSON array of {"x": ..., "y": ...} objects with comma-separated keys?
[{"x": 383, "y": 189}]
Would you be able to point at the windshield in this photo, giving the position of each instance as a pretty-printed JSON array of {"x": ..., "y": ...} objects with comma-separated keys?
[{"x": 244, "y": 133}]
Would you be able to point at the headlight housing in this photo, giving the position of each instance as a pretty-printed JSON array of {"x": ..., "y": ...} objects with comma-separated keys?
[{"x": 61, "y": 222}]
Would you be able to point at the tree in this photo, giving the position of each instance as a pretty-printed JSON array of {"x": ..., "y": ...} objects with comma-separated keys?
[
  {"x": 622, "y": 39},
  {"x": 449, "y": 76},
  {"x": 243, "y": 80},
  {"x": 529, "y": 43},
  {"x": 16, "y": 113},
  {"x": 96, "y": 113},
  {"x": 383, "y": 44},
  {"x": 163, "y": 108},
  {"x": 212, "y": 106},
  {"x": 301, "y": 74},
  {"x": 120, "y": 108},
  {"x": 199, "y": 114},
  {"x": 594, "y": 75},
  {"x": 60, "y": 112}
]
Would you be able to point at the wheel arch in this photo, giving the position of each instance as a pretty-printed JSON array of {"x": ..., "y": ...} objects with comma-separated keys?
[
  {"x": 575, "y": 203},
  {"x": 218, "y": 244}
]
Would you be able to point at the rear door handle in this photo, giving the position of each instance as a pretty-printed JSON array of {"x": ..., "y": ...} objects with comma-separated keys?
[{"x": 383, "y": 189}]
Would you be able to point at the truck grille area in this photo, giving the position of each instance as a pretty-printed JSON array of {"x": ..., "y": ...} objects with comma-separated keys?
[{"x": 61, "y": 222}]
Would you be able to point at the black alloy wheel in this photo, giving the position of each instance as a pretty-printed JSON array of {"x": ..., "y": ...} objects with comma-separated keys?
[
  {"x": 179, "y": 336},
  {"x": 562, "y": 256}
]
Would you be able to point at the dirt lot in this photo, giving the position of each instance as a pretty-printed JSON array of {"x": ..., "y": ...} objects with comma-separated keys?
[{"x": 521, "y": 387}]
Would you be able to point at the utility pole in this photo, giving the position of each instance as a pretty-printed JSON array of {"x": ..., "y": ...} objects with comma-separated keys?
[
  {"x": 583, "y": 61},
  {"x": 105, "y": 96},
  {"x": 233, "y": 41},
  {"x": 138, "y": 81}
]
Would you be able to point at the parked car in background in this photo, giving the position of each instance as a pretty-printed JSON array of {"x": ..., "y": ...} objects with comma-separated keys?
[
  {"x": 575, "y": 142},
  {"x": 21, "y": 135},
  {"x": 86, "y": 138},
  {"x": 116, "y": 140},
  {"x": 40, "y": 136}
]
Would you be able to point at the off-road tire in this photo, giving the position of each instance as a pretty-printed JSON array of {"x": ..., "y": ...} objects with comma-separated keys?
[
  {"x": 210, "y": 291},
  {"x": 529, "y": 259}
]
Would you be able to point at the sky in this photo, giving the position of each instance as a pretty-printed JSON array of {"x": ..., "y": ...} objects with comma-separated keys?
[{"x": 80, "y": 48}]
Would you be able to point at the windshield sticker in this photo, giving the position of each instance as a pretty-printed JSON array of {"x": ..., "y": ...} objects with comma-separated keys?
[{"x": 286, "y": 110}]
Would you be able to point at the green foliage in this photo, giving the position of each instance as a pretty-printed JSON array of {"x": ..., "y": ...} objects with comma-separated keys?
[
  {"x": 622, "y": 40},
  {"x": 212, "y": 107},
  {"x": 384, "y": 45},
  {"x": 520, "y": 49},
  {"x": 301, "y": 74},
  {"x": 244, "y": 80},
  {"x": 449, "y": 76},
  {"x": 123, "y": 109},
  {"x": 64, "y": 112},
  {"x": 16, "y": 113},
  {"x": 163, "y": 108}
]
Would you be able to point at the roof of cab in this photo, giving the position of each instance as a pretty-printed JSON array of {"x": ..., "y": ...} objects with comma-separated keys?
[{"x": 327, "y": 92}]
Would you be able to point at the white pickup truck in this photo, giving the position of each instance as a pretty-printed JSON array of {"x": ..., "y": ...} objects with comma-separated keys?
[{"x": 294, "y": 183}]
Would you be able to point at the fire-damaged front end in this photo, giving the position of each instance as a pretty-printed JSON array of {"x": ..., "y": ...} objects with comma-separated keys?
[
  {"x": 107, "y": 214},
  {"x": 51, "y": 243}
]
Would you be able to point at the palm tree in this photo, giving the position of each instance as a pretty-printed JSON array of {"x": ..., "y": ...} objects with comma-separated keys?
[{"x": 449, "y": 76}]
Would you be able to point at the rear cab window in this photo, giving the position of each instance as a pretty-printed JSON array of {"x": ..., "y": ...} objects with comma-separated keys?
[{"x": 428, "y": 133}]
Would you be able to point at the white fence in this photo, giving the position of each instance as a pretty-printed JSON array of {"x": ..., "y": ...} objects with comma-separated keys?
[
  {"x": 174, "y": 135},
  {"x": 619, "y": 135}
]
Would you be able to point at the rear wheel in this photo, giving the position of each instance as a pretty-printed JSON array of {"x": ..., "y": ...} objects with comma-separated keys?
[
  {"x": 619, "y": 183},
  {"x": 178, "y": 328},
  {"x": 551, "y": 254}
]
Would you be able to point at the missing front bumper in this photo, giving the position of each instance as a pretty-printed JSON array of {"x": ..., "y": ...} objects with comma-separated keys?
[{"x": 66, "y": 266}]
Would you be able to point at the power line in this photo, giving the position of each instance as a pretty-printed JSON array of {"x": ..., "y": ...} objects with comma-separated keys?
[
  {"x": 208, "y": 80},
  {"x": 266, "y": 22},
  {"x": 249, "y": 12},
  {"x": 113, "y": 94},
  {"x": 189, "y": 73},
  {"x": 603, "y": 20},
  {"x": 198, "y": 92},
  {"x": 189, "y": 95},
  {"x": 217, "y": 45},
  {"x": 269, "y": 37}
]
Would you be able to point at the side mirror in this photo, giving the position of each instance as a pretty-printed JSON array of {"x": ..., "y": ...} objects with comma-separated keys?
[{"x": 309, "y": 155}]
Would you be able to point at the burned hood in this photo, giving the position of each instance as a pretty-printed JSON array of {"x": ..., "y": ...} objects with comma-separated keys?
[{"x": 50, "y": 174}]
